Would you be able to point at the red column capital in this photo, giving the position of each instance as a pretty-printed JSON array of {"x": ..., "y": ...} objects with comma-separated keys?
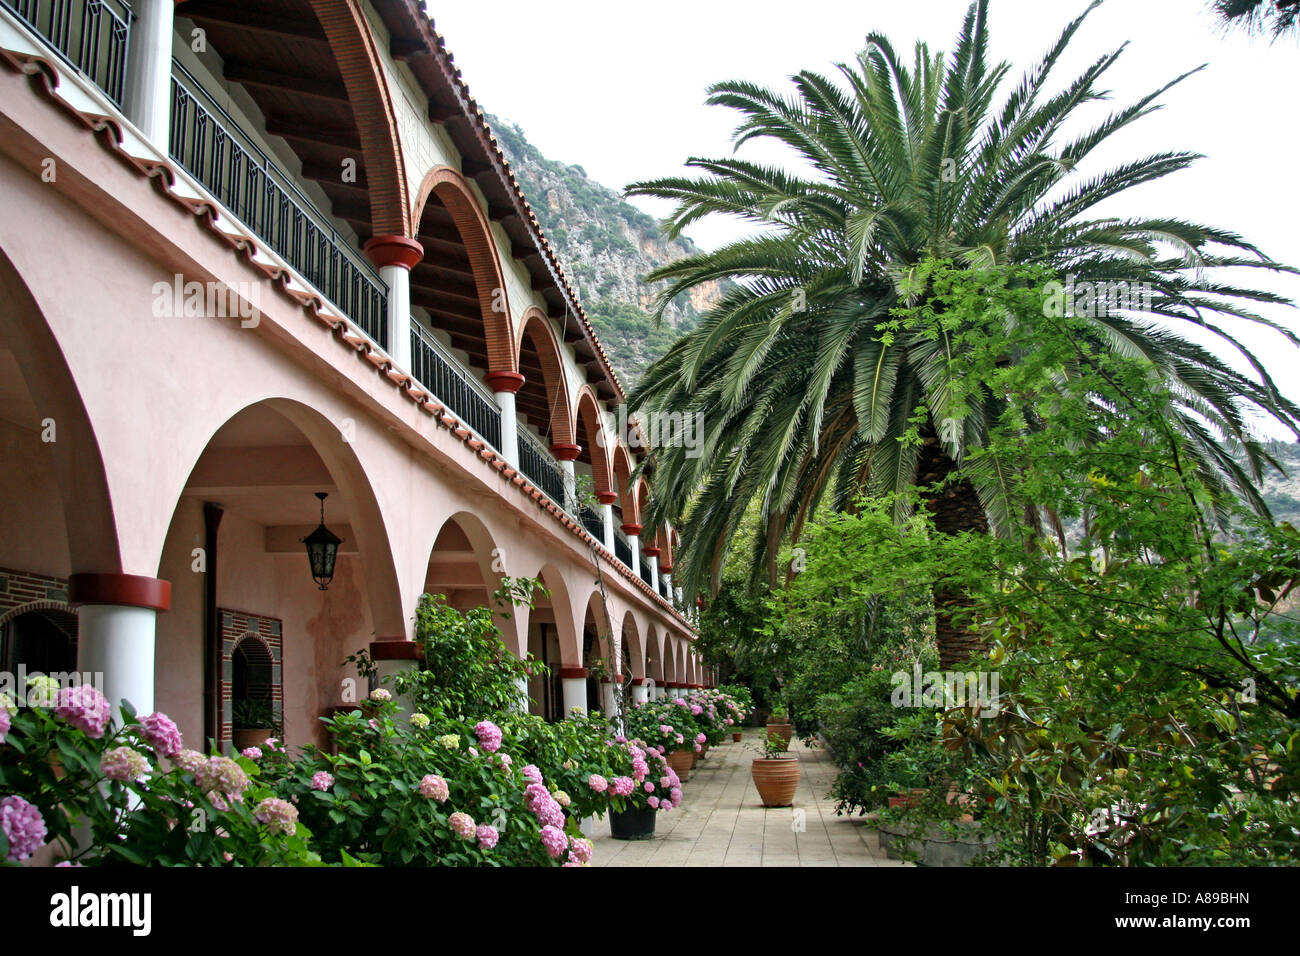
[{"x": 394, "y": 251}]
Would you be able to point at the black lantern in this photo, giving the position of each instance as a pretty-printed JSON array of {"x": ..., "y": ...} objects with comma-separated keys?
[{"x": 322, "y": 549}]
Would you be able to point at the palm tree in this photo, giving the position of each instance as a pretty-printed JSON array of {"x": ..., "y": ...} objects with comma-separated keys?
[
  {"x": 801, "y": 399},
  {"x": 1259, "y": 16}
]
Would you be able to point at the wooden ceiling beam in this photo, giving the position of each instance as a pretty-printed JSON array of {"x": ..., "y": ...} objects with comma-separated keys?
[
  {"x": 249, "y": 75},
  {"x": 246, "y": 16}
]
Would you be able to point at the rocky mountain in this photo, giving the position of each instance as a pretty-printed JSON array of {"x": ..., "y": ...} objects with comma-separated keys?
[
  {"x": 606, "y": 246},
  {"x": 1282, "y": 492}
]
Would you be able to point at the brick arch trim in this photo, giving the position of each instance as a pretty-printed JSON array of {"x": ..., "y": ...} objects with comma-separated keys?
[
  {"x": 588, "y": 425},
  {"x": 489, "y": 280},
  {"x": 535, "y": 328},
  {"x": 10, "y": 613},
  {"x": 358, "y": 58},
  {"x": 623, "y": 465}
]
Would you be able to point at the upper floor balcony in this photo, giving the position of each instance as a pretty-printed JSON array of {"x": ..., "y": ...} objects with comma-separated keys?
[{"x": 259, "y": 107}]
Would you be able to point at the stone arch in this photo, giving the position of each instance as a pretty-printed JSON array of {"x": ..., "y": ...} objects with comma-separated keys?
[
  {"x": 75, "y": 456},
  {"x": 567, "y": 633},
  {"x": 635, "y": 645},
  {"x": 536, "y": 328},
  {"x": 589, "y": 426},
  {"x": 454, "y": 192},
  {"x": 358, "y": 58}
]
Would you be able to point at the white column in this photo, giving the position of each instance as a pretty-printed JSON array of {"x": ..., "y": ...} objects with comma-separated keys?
[
  {"x": 575, "y": 694},
  {"x": 640, "y": 693},
  {"x": 570, "y": 486},
  {"x": 654, "y": 573},
  {"x": 385, "y": 672},
  {"x": 509, "y": 428},
  {"x": 607, "y": 516},
  {"x": 149, "y": 71},
  {"x": 399, "y": 314},
  {"x": 522, "y": 705},
  {"x": 668, "y": 586},
  {"x": 115, "y": 644}
]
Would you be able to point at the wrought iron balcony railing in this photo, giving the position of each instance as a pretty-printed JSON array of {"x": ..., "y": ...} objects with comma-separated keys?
[
  {"x": 92, "y": 35},
  {"x": 542, "y": 469},
  {"x": 453, "y": 385},
  {"x": 209, "y": 143},
  {"x": 592, "y": 521}
]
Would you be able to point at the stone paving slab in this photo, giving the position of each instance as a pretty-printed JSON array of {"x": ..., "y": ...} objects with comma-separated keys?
[{"x": 721, "y": 823}]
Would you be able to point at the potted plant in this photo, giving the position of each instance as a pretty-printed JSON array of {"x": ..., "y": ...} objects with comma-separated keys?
[
  {"x": 252, "y": 723},
  {"x": 778, "y": 722},
  {"x": 775, "y": 771}
]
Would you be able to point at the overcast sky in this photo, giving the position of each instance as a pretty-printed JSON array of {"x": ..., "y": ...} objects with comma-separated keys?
[{"x": 619, "y": 89}]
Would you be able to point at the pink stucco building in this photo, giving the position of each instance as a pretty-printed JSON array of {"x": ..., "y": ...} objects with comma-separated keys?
[{"x": 250, "y": 253}]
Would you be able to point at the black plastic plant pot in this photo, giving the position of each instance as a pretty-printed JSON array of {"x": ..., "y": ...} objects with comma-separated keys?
[{"x": 638, "y": 824}]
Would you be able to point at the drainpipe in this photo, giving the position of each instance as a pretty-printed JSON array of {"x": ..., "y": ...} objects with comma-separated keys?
[{"x": 212, "y": 514}]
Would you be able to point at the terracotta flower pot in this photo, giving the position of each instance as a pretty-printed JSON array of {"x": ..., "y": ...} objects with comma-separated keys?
[
  {"x": 243, "y": 739},
  {"x": 776, "y": 779},
  {"x": 681, "y": 761},
  {"x": 735, "y": 736},
  {"x": 785, "y": 730}
]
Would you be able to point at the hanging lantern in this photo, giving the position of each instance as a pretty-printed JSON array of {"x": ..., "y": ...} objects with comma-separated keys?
[{"x": 322, "y": 549}]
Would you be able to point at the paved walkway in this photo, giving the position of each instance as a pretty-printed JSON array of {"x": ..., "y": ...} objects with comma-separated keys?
[{"x": 721, "y": 823}]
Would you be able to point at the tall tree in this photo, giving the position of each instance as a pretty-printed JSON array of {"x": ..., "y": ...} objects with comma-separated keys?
[
  {"x": 1259, "y": 16},
  {"x": 806, "y": 391}
]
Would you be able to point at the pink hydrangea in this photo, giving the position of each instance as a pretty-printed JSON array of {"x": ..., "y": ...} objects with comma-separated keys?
[
  {"x": 531, "y": 773},
  {"x": 252, "y": 753},
  {"x": 124, "y": 765},
  {"x": 487, "y": 836},
  {"x": 489, "y": 735},
  {"x": 85, "y": 708},
  {"x": 699, "y": 749},
  {"x": 701, "y": 738},
  {"x": 597, "y": 783},
  {"x": 279, "y": 816},
  {"x": 675, "y": 796},
  {"x": 462, "y": 824},
  {"x": 506, "y": 760},
  {"x": 665, "y": 728},
  {"x": 433, "y": 787},
  {"x": 649, "y": 787},
  {"x": 696, "y": 709},
  {"x": 653, "y": 801},
  {"x": 221, "y": 775},
  {"x": 380, "y": 694},
  {"x": 5, "y": 723},
  {"x": 23, "y": 827},
  {"x": 681, "y": 739},
  {"x": 189, "y": 760},
  {"x": 555, "y": 841},
  {"x": 161, "y": 733},
  {"x": 580, "y": 849},
  {"x": 321, "y": 780},
  {"x": 622, "y": 786}
]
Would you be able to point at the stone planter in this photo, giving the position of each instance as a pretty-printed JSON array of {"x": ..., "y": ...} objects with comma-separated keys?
[
  {"x": 681, "y": 761},
  {"x": 638, "y": 824},
  {"x": 776, "y": 779},
  {"x": 936, "y": 848}
]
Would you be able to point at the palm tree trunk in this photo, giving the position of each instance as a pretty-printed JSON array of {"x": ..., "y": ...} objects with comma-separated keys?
[{"x": 954, "y": 509}]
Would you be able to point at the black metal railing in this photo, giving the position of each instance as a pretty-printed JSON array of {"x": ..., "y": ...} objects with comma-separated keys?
[
  {"x": 645, "y": 571},
  {"x": 208, "y": 142},
  {"x": 622, "y": 549},
  {"x": 453, "y": 386},
  {"x": 593, "y": 522},
  {"x": 94, "y": 36},
  {"x": 542, "y": 469}
]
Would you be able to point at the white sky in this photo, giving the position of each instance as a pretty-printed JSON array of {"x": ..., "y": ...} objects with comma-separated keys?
[{"x": 619, "y": 89}]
